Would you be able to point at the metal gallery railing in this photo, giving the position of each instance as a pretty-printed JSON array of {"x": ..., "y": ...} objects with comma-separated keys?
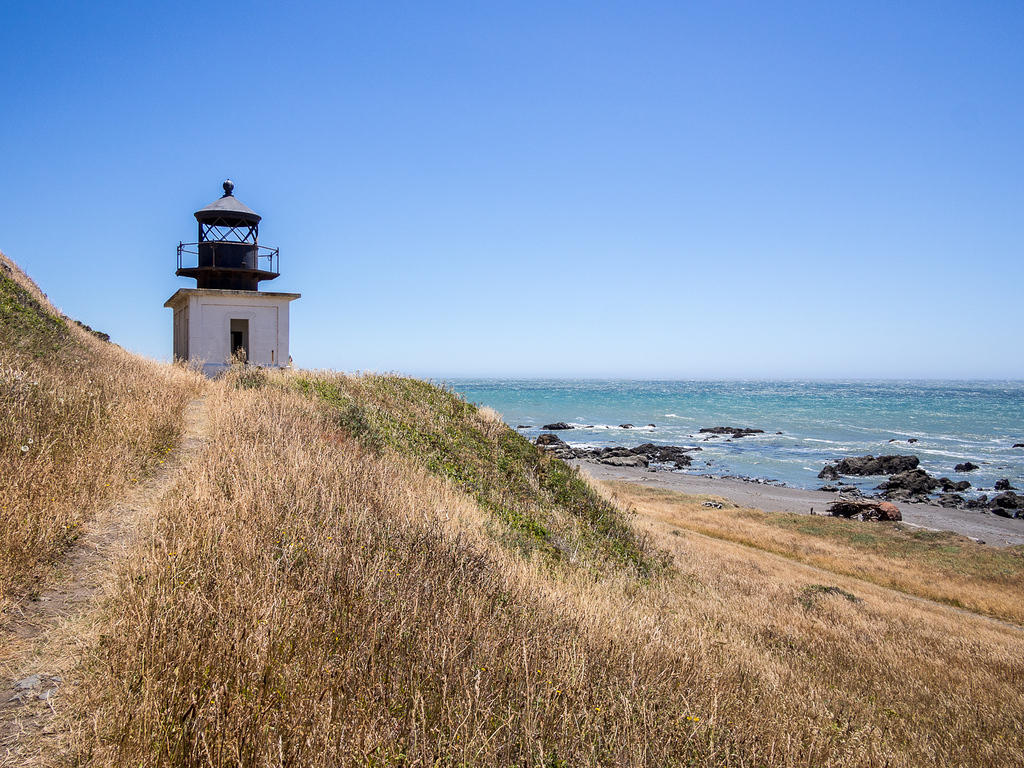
[{"x": 267, "y": 259}]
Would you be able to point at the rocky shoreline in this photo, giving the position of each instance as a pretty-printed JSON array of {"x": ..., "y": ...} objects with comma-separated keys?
[
  {"x": 645, "y": 455},
  {"x": 905, "y": 481},
  {"x": 977, "y": 524},
  {"x": 908, "y": 482}
]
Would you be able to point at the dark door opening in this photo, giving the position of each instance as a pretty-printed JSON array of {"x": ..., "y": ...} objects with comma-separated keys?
[{"x": 240, "y": 339}]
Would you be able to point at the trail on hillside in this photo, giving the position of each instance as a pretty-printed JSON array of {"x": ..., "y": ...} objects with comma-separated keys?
[{"x": 41, "y": 641}]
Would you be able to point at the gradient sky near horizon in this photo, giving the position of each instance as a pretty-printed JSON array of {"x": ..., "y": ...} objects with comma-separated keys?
[{"x": 642, "y": 189}]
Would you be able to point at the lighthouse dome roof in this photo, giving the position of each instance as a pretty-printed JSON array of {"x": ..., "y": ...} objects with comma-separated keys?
[{"x": 228, "y": 207}]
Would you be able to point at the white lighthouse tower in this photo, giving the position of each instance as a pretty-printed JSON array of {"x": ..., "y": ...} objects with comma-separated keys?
[{"x": 226, "y": 314}]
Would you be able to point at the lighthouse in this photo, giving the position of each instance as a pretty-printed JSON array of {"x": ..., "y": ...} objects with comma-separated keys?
[{"x": 227, "y": 315}]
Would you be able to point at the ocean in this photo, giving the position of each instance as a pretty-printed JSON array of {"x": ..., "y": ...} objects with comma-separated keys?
[{"x": 819, "y": 421}]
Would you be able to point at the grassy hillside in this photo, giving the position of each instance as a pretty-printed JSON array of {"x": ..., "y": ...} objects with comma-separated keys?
[
  {"x": 79, "y": 420},
  {"x": 369, "y": 571},
  {"x": 538, "y": 502},
  {"x": 938, "y": 565},
  {"x": 341, "y": 580}
]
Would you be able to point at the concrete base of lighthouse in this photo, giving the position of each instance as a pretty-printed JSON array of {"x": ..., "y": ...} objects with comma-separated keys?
[{"x": 211, "y": 324}]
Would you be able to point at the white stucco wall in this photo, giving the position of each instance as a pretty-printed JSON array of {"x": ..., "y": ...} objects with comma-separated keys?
[{"x": 205, "y": 315}]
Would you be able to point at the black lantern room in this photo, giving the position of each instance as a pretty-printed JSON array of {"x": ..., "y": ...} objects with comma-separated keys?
[{"x": 228, "y": 255}]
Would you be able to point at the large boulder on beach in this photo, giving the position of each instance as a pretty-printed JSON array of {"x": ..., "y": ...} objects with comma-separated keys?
[
  {"x": 846, "y": 490},
  {"x": 902, "y": 494},
  {"x": 915, "y": 481},
  {"x": 632, "y": 460},
  {"x": 870, "y": 465},
  {"x": 665, "y": 454},
  {"x": 547, "y": 439},
  {"x": 557, "y": 447},
  {"x": 619, "y": 451},
  {"x": 951, "y": 500},
  {"x": 1007, "y": 504},
  {"x": 883, "y": 465},
  {"x": 866, "y": 509},
  {"x": 948, "y": 486},
  {"x": 1007, "y": 500},
  {"x": 557, "y": 425},
  {"x": 967, "y": 466},
  {"x": 733, "y": 431}
]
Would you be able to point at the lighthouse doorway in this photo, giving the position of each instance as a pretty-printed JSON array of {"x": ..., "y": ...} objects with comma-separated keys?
[{"x": 240, "y": 338}]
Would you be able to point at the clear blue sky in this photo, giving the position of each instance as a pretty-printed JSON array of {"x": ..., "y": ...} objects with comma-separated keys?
[{"x": 569, "y": 189}]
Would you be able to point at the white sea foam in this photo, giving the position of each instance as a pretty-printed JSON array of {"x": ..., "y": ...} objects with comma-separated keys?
[
  {"x": 949, "y": 427},
  {"x": 636, "y": 428}
]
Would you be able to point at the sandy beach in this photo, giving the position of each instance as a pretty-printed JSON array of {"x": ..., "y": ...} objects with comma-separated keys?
[{"x": 987, "y": 528}]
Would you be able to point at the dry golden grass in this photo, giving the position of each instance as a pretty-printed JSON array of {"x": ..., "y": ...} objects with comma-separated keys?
[
  {"x": 308, "y": 601},
  {"x": 937, "y": 565},
  {"x": 537, "y": 504},
  {"x": 80, "y": 420},
  {"x": 368, "y": 571}
]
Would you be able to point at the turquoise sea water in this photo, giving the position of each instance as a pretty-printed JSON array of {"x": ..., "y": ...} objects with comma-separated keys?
[{"x": 820, "y": 422}]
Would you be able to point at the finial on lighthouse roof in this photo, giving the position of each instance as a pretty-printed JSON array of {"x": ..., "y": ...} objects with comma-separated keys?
[{"x": 229, "y": 187}]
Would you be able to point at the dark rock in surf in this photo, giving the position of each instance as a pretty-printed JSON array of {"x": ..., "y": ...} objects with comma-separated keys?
[
  {"x": 665, "y": 454},
  {"x": 828, "y": 473},
  {"x": 1004, "y": 485},
  {"x": 734, "y": 431},
  {"x": 869, "y": 465},
  {"x": 967, "y": 466},
  {"x": 948, "y": 486},
  {"x": 557, "y": 425}
]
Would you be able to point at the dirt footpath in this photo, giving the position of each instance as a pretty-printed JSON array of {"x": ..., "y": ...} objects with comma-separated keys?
[{"x": 40, "y": 646}]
